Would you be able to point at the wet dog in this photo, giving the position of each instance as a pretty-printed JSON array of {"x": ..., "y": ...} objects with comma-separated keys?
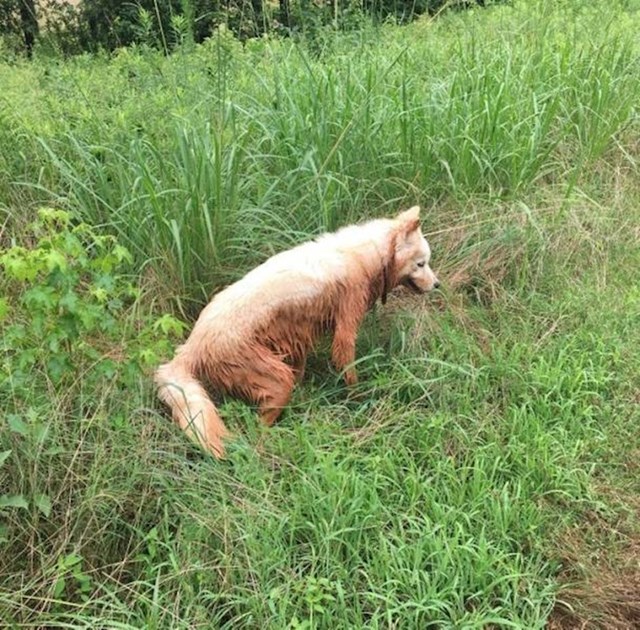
[{"x": 252, "y": 339}]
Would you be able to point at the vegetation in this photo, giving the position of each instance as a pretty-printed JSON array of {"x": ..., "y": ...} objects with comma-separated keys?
[
  {"x": 484, "y": 471},
  {"x": 73, "y": 26}
]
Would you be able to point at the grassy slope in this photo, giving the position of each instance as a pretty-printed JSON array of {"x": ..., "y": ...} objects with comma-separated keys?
[{"x": 485, "y": 468}]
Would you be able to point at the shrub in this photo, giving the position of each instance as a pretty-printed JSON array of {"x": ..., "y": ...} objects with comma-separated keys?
[{"x": 66, "y": 315}]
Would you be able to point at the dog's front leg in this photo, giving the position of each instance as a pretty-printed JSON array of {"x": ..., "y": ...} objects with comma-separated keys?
[{"x": 347, "y": 322}]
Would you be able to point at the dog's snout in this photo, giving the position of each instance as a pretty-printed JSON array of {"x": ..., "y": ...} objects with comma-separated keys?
[{"x": 436, "y": 284}]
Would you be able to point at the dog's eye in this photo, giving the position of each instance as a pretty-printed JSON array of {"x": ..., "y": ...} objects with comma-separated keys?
[{"x": 421, "y": 263}]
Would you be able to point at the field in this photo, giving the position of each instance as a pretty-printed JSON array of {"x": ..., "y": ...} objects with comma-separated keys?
[{"x": 484, "y": 473}]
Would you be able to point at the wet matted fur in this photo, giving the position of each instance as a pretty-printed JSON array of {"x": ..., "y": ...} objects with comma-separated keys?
[{"x": 252, "y": 339}]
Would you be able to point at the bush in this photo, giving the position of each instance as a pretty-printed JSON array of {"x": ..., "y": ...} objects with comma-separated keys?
[{"x": 67, "y": 313}]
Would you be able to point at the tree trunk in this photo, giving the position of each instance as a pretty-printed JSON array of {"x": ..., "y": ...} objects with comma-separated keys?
[
  {"x": 285, "y": 15},
  {"x": 29, "y": 21},
  {"x": 258, "y": 18}
]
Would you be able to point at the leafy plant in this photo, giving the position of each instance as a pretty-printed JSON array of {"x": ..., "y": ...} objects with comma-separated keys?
[
  {"x": 66, "y": 301},
  {"x": 67, "y": 314}
]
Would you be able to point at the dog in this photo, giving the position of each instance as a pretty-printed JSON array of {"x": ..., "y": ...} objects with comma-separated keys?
[{"x": 252, "y": 339}]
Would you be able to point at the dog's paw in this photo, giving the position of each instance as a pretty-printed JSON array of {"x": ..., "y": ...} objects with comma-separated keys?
[{"x": 351, "y": 378}]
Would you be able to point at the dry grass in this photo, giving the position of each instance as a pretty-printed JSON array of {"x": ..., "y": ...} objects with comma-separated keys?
[{"x": 601, "y": 578}]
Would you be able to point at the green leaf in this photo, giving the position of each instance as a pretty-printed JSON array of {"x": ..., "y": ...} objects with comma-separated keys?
[
  {"x": 19, "y": 265},
  {"x": 43, "y": 503},
  {"x": 40, "y": 432},
  {"x": 52, "y": 216},
  {"x": 70, "y": 561},
  {"x": 4, "y": 455},
  {"x": 122, "y": 254},
  {"x": 59, "y": 587},
  {"x": 55, "y": 260},
  {"x": 41, "y": 298},
  {"x": 100, "y": 294},
  {"x": 169, "y": 324},
  {"x": 13, "y": 500},
  {"x": 148, "y": 357},
  {"x": 70, "y": 301},
  {"x": 17, "y": 425}
]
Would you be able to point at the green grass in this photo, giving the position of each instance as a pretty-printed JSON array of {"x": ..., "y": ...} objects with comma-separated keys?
[{"x": 484, "y": 471}]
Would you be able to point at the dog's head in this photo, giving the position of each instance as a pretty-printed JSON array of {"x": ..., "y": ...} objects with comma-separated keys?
[{"x": 412, "y": 254}]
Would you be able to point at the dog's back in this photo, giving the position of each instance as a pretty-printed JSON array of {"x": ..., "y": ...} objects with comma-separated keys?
[{"x": 305, "y": 277}]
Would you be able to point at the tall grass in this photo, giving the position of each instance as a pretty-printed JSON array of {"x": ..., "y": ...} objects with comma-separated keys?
[
  {"x": 488, "y": 456},
  {"x": 186, "y": 147}
]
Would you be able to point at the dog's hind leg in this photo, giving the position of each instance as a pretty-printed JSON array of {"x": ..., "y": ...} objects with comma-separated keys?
[
  {"x": 268, "y": 381},
  {"x": 298, "y": 364},
  {"x": 274, "y": 401}
]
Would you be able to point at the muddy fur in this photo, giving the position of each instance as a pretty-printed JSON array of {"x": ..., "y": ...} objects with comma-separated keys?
[{"x": 252, "y": 339}]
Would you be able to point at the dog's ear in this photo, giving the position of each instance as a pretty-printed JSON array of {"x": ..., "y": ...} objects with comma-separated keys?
[{"x": 409, "y": 220}]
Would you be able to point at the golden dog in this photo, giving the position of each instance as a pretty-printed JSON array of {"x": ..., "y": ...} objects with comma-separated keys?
[{"x": 252, "y": 339}]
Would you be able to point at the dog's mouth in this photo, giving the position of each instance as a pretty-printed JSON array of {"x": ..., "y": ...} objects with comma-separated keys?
[{"x": 409, "y": 283}]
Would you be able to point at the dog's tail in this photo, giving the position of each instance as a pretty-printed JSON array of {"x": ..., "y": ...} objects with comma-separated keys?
[{"x": 190, "y": 405}]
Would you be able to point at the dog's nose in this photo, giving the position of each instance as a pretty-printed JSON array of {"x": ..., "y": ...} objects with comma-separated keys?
[{"x": 436, "y": 284}]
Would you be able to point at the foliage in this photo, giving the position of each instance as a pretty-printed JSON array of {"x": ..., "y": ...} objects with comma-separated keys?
[
  {"x": 68, "y": 298},
  {"x": 109, "y": 24},
  {"x": 65, "y": 293},
  {"x": 9, "y": 17}
]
